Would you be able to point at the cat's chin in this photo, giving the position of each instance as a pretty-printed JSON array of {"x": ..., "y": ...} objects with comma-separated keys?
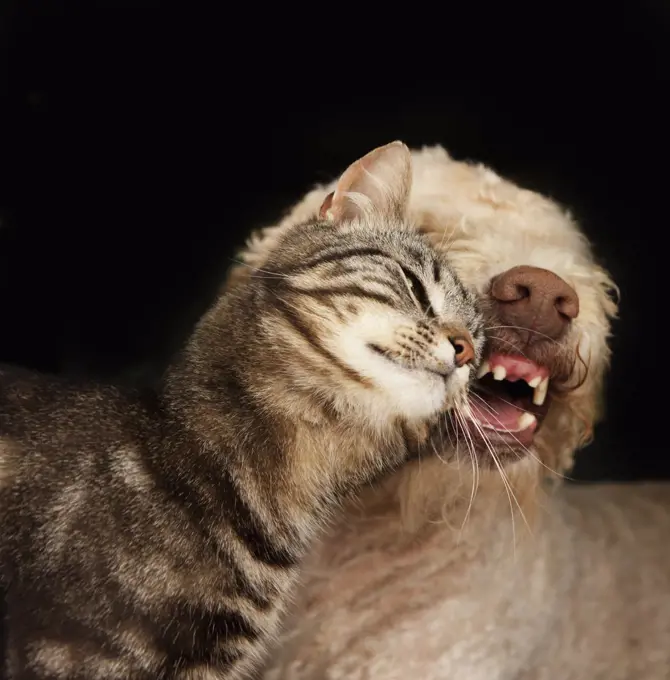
[
  {"x": 394, "y": 391},
  {"x": 413, "y": 396}
]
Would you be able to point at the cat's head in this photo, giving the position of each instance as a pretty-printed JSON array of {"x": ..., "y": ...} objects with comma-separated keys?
[
  {"x": 546, "y": 302},
  {"x": 363, "y": 313}
]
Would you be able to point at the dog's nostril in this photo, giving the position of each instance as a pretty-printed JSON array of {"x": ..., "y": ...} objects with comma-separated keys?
[
  {"x": 567, "y": 306},
  {"x": 463, "y": 348},
  {"x": 560, "y": 305},
  {"x": 523, "y": 292}
]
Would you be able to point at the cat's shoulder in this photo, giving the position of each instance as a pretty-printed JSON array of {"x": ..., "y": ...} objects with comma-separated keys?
[
  {"x": 36, "y": 399},
  {"x": 33, "y": 388},
  {"x": 23, "y": 389}
]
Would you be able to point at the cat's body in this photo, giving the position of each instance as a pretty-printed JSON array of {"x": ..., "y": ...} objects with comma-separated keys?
[
  {"x": 159, "y": 535},
  {"x": 140, "y": 544}
]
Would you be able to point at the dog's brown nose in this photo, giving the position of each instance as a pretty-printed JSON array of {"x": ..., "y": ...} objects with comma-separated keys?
[{"x": 536, "y": 299}]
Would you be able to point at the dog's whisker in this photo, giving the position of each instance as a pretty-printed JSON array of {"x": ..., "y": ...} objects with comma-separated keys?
[
  {"x": 507, "y": 342},
  {"x": 526, "y": 330}
]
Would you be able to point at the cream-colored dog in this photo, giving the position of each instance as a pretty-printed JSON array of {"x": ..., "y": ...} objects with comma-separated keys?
[{"x": 479, "y": 566}]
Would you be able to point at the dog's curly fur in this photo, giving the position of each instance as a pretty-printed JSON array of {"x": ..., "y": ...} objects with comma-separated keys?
[{"x": 445, "y": 571}]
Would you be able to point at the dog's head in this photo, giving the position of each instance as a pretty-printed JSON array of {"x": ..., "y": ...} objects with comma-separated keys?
[{"x": 548, "y": 305}]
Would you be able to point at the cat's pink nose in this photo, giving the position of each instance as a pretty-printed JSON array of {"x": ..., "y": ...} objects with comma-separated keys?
[
  {"x": 464, "y": 351},
  {"x": 535, "y": 299},
  {"x": 454, "y": 349}
]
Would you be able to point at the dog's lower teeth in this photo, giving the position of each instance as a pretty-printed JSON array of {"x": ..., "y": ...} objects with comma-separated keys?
[
  {"x": 525, "y": 421},
  {"x": 540, "y": 392}
]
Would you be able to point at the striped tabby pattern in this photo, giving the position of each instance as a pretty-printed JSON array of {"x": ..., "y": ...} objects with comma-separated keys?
[{"x": 159, "y": 535}]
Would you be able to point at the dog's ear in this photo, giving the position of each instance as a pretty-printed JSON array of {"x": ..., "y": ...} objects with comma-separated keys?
[{"x": 379, "y": 183}]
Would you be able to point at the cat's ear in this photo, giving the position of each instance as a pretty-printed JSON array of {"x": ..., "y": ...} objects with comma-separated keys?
[{"x": 378, "y": 183}]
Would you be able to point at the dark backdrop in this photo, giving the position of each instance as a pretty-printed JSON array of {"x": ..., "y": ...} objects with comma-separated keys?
[{"x": 140, "y": 142}]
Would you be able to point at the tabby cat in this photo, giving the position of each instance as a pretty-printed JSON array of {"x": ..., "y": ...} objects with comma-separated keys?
[{"x": 159, "y": 535}]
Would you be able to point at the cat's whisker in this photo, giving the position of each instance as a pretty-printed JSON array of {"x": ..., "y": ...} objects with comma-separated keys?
[
  {"x": 466, "y": 432},
  {"x": 525, "y": 449},
  {"x": 491, "y": 409},
  {"x": 307, "y": 311},
  {"x": 484, "y": 403},
  {"x": 447, "y": 420},
  {"x": 494, "y": 413},
  {"x": 475, "y": 479},
  {"x": 441, "y": 435},
  {"x": 508, "y": 487},
  {"x": 438, "y": 455},
  {"x": 445, "y": 246},
  {"x": 277, "y": 275},
  {"x": 505, "y": 482},
  {"x": 265, "y": 277}
]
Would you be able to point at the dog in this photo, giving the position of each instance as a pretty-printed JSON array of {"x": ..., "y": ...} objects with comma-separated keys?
[{"x": 479, "y": 563}]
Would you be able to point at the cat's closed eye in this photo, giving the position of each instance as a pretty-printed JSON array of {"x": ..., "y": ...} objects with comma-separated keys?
[{"x": 418, "y": 291}]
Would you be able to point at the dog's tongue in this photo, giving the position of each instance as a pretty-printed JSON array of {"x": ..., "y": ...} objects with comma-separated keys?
[
  {"x": 501, "y": 415},
  {"x": 497, "y": 414}
]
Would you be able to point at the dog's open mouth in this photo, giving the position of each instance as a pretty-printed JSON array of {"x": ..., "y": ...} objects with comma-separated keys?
[{"x": 510, "y": 397}]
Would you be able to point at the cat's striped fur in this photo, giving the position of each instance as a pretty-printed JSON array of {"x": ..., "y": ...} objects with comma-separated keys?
[{"x": 159, "y": 535}]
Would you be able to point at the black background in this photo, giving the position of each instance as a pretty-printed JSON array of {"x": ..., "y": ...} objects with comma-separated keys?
[{"x": 141, "y": 142}]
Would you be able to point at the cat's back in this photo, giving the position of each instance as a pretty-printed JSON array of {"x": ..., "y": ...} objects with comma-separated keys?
[
  {"x": 48, "y": 412},
  {"x": 57, "y": 431}
]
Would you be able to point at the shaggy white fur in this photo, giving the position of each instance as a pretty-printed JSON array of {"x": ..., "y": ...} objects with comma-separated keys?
[{"x": 451, "y": 571}]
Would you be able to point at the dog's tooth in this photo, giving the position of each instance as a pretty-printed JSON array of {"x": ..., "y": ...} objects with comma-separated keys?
[
  {"x": 499, "y": 373},
  {"x": 535, "y": 381},
  {"x": 540, "y": 393},
  {"x": 484, "y": 369},
  {"x": 525, "y": 421}
]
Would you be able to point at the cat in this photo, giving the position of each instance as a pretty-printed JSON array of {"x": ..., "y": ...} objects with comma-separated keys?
[{"x": 159, "y": 534}]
